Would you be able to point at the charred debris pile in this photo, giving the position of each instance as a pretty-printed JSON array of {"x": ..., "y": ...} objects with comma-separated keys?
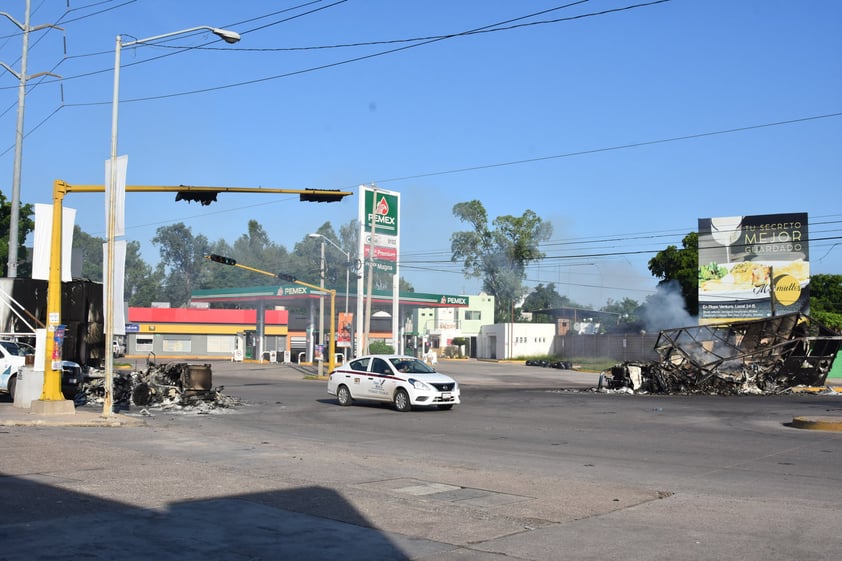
[
  {"x": 170, "y": 385},
  {"x": 764, "y": 356},
  {"x": 562, "y": 364}
]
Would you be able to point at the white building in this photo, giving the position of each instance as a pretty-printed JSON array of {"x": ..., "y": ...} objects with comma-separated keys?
[
  {"x": 503, "y": 341},
  {"x": 436, "y": 328}
]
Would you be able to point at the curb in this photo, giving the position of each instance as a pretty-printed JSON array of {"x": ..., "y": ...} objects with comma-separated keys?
[
  {"x": 26, "y": 419},
  {"x": 827, "y": 423}
]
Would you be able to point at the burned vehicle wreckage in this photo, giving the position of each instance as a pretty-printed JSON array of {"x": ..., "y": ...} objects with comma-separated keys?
[
  {"x": 175, "y": 384},
  {"x": 763, "y": 356}
]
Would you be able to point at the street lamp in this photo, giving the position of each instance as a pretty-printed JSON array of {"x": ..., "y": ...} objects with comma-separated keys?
[
  {"x": 111, "y": 201},
  {"x": 347, "y": 266}
]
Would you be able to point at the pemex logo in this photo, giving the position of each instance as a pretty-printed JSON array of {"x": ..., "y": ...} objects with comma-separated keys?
[{"x": 382, "y": 207}]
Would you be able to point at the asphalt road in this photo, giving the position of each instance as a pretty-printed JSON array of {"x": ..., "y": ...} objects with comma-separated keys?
[{"x": 532, "y": 466}]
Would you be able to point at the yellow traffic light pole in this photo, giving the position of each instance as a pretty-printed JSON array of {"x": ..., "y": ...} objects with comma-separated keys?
[
  {"x": 51, "y": 390},
  {"x": 331, "y": 346}
]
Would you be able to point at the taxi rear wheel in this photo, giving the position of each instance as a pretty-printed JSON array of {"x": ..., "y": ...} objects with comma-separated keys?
[
  {"x": 343, "y": 396},
  {"x": 402, "y": 402}
]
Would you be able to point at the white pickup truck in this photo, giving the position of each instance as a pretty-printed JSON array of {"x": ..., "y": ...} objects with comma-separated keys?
[
  {"x": 13, "y": 356},
  {"x": 10, "y": 362}
]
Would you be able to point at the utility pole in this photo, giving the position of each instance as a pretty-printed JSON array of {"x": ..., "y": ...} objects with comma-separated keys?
[
  {"x": 14, "y": 220},
  {"x": 370, "y": 280},
  {"x": 322, "y": 310}
]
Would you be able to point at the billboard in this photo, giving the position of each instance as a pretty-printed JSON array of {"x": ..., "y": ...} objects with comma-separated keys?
[{"x": 753, "y": 267}]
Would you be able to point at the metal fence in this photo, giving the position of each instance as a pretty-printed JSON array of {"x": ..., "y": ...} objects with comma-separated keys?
[{"x": 627, "y": 347}]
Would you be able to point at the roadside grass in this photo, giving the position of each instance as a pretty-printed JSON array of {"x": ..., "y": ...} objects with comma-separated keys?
[{"x": 594, "y": 364}]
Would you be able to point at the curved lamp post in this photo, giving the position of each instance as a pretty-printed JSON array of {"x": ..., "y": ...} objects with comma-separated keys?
[{"x": 111, "y": 200}]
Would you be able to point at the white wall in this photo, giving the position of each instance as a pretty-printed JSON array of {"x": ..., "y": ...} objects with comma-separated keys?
[{"x": 515, "y": 340}]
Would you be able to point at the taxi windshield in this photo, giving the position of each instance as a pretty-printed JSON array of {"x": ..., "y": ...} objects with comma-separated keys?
[{"x": 411, "y": 365}]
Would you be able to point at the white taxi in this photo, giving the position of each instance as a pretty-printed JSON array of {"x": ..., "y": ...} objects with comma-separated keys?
[{"x": 403, "y": 380}]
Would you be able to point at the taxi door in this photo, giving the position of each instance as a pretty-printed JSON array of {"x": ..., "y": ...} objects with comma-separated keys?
[{"x": 381, "y": 382}]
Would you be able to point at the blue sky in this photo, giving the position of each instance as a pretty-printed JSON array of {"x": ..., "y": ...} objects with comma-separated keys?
[{"x": 620, "y": 128}]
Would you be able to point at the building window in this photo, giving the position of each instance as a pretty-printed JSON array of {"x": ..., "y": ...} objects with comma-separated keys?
[
  {"x": 143, "y": 344},
  {"x": 473, "y": 315},
  {"x": 221, "y": 343},
  {"x": 176, "y": 346}
]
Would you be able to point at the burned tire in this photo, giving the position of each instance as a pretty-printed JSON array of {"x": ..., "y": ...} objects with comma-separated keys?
[
  {"x": 402, "y": 402},
  {"x": 142, "y": 395},
  {"x": 445, "y": 406},
  {"x": 343, "y": 396}
]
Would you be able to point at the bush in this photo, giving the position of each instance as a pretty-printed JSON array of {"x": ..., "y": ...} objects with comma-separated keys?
[
  {"x": 452, "y": 352},
  {"x": 380, "y": 348}
]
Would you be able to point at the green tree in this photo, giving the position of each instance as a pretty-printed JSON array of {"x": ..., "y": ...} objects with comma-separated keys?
[
  {"x": 91, "y": 249},
  {"x": 544, "y": 297},
  {"x": 142, "y": 283},
  {"x": 257, "y": 250},
  {"x": 25, "y": 226},
  {"x": 215, "y": 275},
  {"x": 182, "y": 261},
  {"x": 826, "y": 300},
  {"x": 681, "y": 265},
  {"x": 498, "y": 253},
  {"x": 626, "y": 309},
  {"x": 628, "y": 313},
  {"x": 305, "y": 259},
  {"x": 405, "y": 286}
]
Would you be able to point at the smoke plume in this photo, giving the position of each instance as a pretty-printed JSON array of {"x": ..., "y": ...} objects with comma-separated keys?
[{"x": 665, "y": 309}]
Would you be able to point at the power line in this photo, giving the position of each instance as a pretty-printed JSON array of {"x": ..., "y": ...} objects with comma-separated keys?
[
  {"x": 611, "y": 148},
  {"x": 435, "y": 39}
]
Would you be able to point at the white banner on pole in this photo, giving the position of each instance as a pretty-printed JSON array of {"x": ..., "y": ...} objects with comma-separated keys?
[
  {"x": 119, "y": 194},
  {"x": 43, "y": 241},
  {"x": 116, "y": 303}
]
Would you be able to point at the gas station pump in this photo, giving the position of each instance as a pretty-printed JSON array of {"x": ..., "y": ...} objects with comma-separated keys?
[{"x": 250, "y": 344}]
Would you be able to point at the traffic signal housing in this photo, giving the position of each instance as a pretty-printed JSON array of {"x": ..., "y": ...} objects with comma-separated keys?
[
  {"x": 221, "y": 259},
  {"x": 203, "y": 197},
  {"x": 321, "y": 196}
]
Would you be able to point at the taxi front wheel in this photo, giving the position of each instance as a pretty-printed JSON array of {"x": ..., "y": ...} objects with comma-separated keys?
[
  {"x": 343, "y": 396},
  {"x": 402, "y": 402}
]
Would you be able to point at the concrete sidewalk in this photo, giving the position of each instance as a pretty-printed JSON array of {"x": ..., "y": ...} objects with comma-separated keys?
[{"x": 11, "y": 416}]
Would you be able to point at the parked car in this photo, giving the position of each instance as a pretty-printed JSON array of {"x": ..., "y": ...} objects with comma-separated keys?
[
  {"x": 13, "y": 356},
  {"x": 403, "y": 380},
  {"x": 11, "y": 359}
]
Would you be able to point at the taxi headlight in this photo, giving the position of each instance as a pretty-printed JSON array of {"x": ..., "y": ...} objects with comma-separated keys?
[{"x": 419, "y": 385}]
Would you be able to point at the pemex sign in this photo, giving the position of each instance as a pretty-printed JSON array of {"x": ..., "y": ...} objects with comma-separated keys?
[{"x": 381, "y": 210}]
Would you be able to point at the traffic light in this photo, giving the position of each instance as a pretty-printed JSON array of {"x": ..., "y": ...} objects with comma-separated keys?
[
  {"x": 203, "y": 197},
  {"x": 321, "y": 196},
  {"x": 286, "y": 277},
  {"x": 221, "y": 259}
]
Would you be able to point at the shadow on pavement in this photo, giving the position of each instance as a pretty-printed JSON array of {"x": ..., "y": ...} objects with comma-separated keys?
[{"x": 43, "y": 521}]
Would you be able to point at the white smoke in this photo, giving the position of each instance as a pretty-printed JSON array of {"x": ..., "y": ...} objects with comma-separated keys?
[{"x": 665, "y": 309}]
